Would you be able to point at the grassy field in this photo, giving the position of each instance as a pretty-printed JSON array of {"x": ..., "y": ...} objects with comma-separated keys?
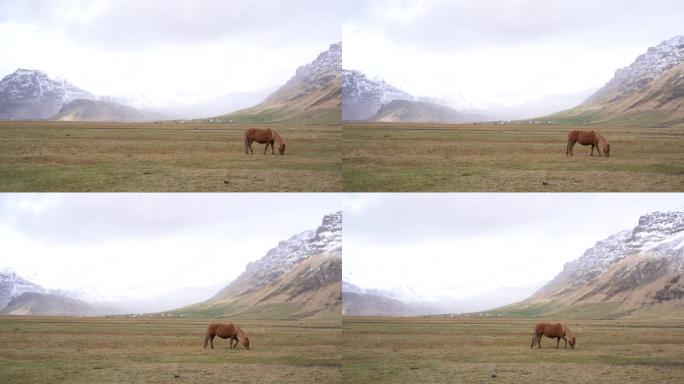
[
  {"x": 420, "y": 350},
  {"x": 106, "y": 350},
  {"x": 430, "y": 157},
  {"x": 54, "y": 156}
]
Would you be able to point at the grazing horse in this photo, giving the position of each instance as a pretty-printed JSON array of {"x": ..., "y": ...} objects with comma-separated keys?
[
  {"x": 557, "y": 331},
  {"x": 263, "y": 136},
  {"x": 226, "y": 331},
  {"x": 592, "y": 138}
]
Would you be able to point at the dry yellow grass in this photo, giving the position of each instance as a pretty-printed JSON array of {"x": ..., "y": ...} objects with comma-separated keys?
[
  {"x": 101, "y": 350},
  {"x": 60, "y": 156},
  {"x": 429, "y": 350},
  {"x": 442, "y": 158}
]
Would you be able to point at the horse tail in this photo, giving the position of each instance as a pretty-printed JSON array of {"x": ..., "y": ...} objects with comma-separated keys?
[
  {"x": 206, "y": 340},
  {"x": 246, "y": 135}
]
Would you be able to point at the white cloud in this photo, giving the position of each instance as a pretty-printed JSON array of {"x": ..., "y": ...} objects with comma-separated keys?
[
  {"x": 161, "y": 49},
  {"x": 503, "y": 53},
  {"x": 461, "y": 245},
  {"x": 141, "y": 245}
]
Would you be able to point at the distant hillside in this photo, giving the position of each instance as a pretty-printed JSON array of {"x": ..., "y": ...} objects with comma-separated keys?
[
  {"x": 649, "y": 92},
  {"x": 98, "y": 110},
  {"x": 299, "y": 278},
  {"x": 635, "y": 273},
  {"x": 312, "y": 95},
  {"x": 363, "y": 97},
  {"x": 34, "y": 303},
  {"x": 416, "y": 112},
  {"x": 31, "y": 95},
  {"x": 13, "y": 285},
  {"x": 363, "y": 304}
]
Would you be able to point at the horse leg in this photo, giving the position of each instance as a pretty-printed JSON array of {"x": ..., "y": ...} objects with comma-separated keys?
[
  {"x": 571, "y": 144},
  {"x": 211, "y": 341},
  {"x": 557, "y": 342},
  {"x": 534, "y": 338},
  {"x": 272, "y": 151}
]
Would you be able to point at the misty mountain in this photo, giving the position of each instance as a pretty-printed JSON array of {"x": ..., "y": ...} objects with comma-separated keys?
[
  {"x": 650, "y": 91},
  {"x": 31, "y": 94},
  {"x": 13, "y": 285},
  {"x": 404, "y": 301},
  {"x": 631, "y": 273},
  {"x": 312, "y": 95},
  {"x": 416, "y": 112},
  {"x": 298, "y": 278},
  {"x": 44, "y": 304},
  {"x": 102, "y": 111},
  {"x": 227, "y": 103},
  {"x": 363, "y": 97}
]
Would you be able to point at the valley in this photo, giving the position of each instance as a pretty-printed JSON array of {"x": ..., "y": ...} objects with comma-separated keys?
[
  {"x": 512, "y": 157},
  {"x": 438, "y": 350},
  {"x": 115, "y": 350},
  {"x": 167, "y": 157}
]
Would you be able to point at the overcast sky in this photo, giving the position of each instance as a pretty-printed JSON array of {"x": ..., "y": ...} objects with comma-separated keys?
[
  {"x": 147, "y": 244},
  {"x": 503, "y": 52},
  {"x": 461, "y": 245},
  {"x": 166, "y": 49}
]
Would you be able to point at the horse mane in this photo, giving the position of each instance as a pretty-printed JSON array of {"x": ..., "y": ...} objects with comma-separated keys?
[
  {"x": 240, "y": 333},
  {"x": 277, "y": 138},
  {"x": 567, "y": 331}
]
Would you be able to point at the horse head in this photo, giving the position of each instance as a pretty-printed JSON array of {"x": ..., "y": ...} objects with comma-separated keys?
[
  {"x": 281, "y": 148},
  {"x": 572, "y": 342},
  {"x": 606, "y": 149},
  {"x": 245, "y": 342}
]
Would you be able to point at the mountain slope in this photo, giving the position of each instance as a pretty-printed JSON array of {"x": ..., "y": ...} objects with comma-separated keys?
[
  {"x": 364, "y": 304},
  {"x": 31, "y": 94},
  {"x": 416, "y": 112},
  {"x": 312, "y": 95},
  {"x": 13, "y": 285},
  {"x": 632, "y": 273},
  {"x": 298, "y": 278},
  {"x": 363, "y": 97},
  {"x": 98, "y": 110},
  {"x": 34, "y": 303},
  {"x": 650, "y": 91}
]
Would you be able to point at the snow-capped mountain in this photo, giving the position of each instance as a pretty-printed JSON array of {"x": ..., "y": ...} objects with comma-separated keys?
[
  {"x": 650, "y": 91},
  {"x": 31, "y": 94},
  {"x": 311, "y": 95},
  {"x": 659, "y": 234},
  {"x": 300, "y": 277},
  {"x": 327, "y": 238},
  {"x": 363, "y": 97},
  {"x": 648, "y": 66},
  {"x": 13, "y": 285},
  {"x": 633, "y": 271}
]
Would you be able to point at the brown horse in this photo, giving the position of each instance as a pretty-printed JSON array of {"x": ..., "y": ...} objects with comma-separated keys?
[
  {"x": 592, "y": 138},
  {"x": 263, "y": 136},
  {"x": 557, "y": 331},
  {"x": 226, "y": 331}
]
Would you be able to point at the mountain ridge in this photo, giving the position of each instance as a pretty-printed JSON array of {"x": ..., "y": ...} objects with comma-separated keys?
[
  {"x": 312, "y": 95},
  {"x": 630, "y": 273},
  {"x": 298, "y": 278},
  {"x": 650, "y": 92}
]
